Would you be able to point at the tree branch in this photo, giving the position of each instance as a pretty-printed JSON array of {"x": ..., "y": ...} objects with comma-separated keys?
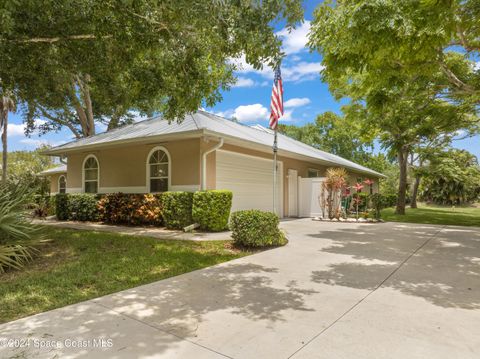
[
  {"x": 452, "y": 78},
  {"x": 70, "y": 126},
  {"x": 82, "y": 117},
  {"x": 85, "y": 93},
  {"x": 51, "y": 40}
]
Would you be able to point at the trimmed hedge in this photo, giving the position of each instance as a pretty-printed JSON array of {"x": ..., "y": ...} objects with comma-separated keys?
[
  {"x": 254, "y": 228},
  {"x": 51, "y": 205},
  {"x": 131, "y": 209},
  {"x": 82, "y": 207},
  {"x": 177, "y": 209},
  {"x": 211, "y": 209},
  {"x": 61, "y": 206}
]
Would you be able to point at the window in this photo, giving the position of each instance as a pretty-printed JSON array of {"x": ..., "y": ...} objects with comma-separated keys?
[
  {"x": 158, "y": 170},
  {"x": 62, "y": 184},
  {"x": 312, "y": 173},
  {"x": 90, "y": 174}
]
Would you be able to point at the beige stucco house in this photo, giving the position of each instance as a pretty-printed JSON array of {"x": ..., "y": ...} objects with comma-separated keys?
[{"x": 203, "y": 151}]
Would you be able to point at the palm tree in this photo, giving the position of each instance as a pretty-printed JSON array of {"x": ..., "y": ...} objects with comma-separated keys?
[{"x": 6, "y": 105}]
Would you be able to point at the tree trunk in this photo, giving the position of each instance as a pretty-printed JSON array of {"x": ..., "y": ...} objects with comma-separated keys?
[
  {"x": 4, "y": 147},
  {"x": 402, "y": 186},
  {"x": 413, "y": 204}
]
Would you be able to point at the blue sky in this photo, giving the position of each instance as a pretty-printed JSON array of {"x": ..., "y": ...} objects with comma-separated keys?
[{"x": 304, "y": 94}]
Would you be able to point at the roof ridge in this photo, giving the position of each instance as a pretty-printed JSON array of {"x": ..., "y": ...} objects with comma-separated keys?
[{"x": 234, "y": 122}]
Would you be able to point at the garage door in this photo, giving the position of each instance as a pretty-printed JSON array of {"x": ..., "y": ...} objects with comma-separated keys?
[{"x": 250, "y": 179}]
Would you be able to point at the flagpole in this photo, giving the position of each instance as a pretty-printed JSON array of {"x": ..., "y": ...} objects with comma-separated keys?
[
  {"x": 276, "y": 107},
  {"x": 275, "y": 149}
]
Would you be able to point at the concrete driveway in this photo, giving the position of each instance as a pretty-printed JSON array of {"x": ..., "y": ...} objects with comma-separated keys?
[{"x": 337, "y": 290}]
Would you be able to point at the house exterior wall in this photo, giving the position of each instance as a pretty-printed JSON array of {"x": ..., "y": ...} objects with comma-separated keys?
[
  {"x": 125, "y": 168},
  {"x": 302, "y": 168},
  {"x": 54, "y": 182}
]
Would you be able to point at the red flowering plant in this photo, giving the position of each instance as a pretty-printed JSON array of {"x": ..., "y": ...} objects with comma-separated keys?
[
  {"x": 369, "y": 183},
  {"x": 358, "y": 188}
]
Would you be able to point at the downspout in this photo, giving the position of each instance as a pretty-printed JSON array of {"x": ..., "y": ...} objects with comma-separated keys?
[{"x": 204, "y": 163}]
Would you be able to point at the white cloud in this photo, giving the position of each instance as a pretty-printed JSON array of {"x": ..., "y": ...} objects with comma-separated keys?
[
  {"x": 250, "y": 113},
  {"x": 295, "y": 40},
  {"x": 476, "y": 66},
  {"x": 287, "y": 116},
  {"x": 302, "y": 71},
  {"x": 15, "y": 129},
  {"x": 297, "y": 72},
  {"x": 40, "y": 142},
  {"x": 244, "y": 82},
  {"x": 253, "y": 113},
  {"x": 243, "y": 67},
  {"x": 297, "y": 102}
]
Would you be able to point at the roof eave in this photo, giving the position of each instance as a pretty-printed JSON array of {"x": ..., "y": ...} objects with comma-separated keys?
[
  {"x": 291, "y": 154},
  {"x": 59, "y": 151}
]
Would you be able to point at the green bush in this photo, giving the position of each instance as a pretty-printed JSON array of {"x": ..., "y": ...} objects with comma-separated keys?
[
  {"x": 51, "y": 205},
  {"x": 61, "y": 206},
  {"x": 82, "y": 207},
  {"x": 391, "y": 200},
  {"x": 378, "y": 202},
  {"x": 17, "y": 234},
  {"x": 254, "y": 228},
  {"x": 211, "y": 209},
  {"x": 132, "y": 209},
  {"x": 177, "y": 209}
]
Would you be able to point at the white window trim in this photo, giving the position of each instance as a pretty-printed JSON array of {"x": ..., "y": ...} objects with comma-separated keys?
[
  {"x": 83, "y": 172},
  {"x": 58, "y": 183},
  {"x": 313, "y": 169},
  {"x": 147, "y": 165}
]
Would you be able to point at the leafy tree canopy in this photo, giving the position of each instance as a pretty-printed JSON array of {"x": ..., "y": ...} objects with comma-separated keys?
[
  {"x": 384, "y": 40},
  {"x": 77, "y": 62},
  {"x": 407, "y": 67},
  {"x": 341, "y": 135},
  {"x": 453, "y": 177}
]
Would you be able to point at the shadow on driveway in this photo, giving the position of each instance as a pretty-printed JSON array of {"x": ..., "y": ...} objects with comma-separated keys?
[{"x": 445, "y": 272}]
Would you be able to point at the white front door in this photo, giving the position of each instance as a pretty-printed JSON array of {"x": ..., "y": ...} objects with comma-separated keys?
[
  {"x": 250, "y": 178},
  {"x": 292, "y": 193}
]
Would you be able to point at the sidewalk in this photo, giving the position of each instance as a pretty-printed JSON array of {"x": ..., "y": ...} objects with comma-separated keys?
[{"x": 155, "y": 232}]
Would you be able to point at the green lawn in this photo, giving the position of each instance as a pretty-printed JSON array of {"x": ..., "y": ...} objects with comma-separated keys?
[
  {"x": 458, "y": 216},
  {"x": 79, "y": 265}
]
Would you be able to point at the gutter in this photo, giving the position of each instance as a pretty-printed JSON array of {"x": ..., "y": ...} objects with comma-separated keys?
[{"x": 204, "y": 163}]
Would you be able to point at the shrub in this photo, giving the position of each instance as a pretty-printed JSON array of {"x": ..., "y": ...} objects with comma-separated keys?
[
  {"x": 51, "y": 205},
  {"x": 132, "y": 209},
  {"x": 211, "y": 209},
  {"x": 254, "y": 228},
  {"x": 17, "y": 234},
  {"x": 61, "y": 206},
  {"x": 82, "y": 207},
  {"x": 379, "y": 202},
  {"x": 391, "y": 200},
  {"x": 177, "y": 209}
]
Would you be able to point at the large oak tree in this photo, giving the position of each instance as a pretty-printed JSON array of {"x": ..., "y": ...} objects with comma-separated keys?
[{"x": 76, "y": 63}]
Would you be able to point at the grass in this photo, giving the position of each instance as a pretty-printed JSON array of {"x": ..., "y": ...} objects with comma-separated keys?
[
  {"x": 430, "y": 214},
  {"x": 79, "y": 265}
]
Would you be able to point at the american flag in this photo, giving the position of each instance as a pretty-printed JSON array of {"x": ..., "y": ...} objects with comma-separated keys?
[{"x": 276, "y": 103}]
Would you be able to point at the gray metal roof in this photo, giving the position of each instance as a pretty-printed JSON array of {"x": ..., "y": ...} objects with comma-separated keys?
[
  {"x": 208, "y": 122},
  {"x": 51, "y": 171}
]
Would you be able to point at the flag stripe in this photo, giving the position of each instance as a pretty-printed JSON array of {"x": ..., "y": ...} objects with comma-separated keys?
[{"x": 276, "y": 101}]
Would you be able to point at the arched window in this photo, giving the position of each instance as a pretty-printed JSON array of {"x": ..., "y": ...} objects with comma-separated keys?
[
  {"x": 90, "y": 174},
  {"x": 62, "y": 184},
  {"x": 158, "y": 170}
]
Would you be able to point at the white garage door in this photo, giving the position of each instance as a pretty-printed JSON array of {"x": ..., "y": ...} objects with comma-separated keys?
[{"x": 250, "y": 179}]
